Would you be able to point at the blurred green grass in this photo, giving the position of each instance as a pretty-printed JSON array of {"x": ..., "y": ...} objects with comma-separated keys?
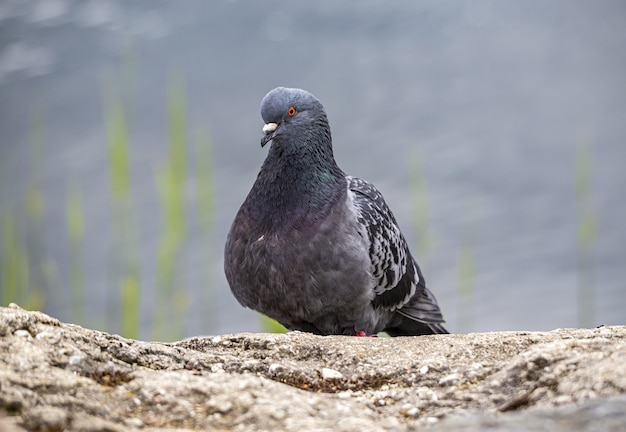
[
  {"x": 206, "y": 210},
  {"x": 23, "y": 267},
  {"x": 268, "y": 325},
  {"x": 122, "y": 300},
  {"x": 75, "y": 219},
  {"x": 587, "y": 231},
  {"x": 31, "y": 279},
  {"x": 172, "y": 300},
  {"x": 419, "y": 211},
  {"x": 466, "y": 274},
  {"x": 465, "y": 263}
]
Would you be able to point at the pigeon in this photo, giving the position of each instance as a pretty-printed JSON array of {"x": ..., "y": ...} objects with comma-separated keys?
[{"x": 317, "y": 250}]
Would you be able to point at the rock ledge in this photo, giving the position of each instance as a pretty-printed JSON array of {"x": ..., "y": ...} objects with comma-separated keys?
[{"x": 56, "y": 376}]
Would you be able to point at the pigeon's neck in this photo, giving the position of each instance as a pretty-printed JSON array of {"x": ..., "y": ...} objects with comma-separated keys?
[{"x": 296, "y": 188}]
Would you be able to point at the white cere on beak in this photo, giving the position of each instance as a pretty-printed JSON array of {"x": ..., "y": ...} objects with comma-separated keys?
[{"x": 270, "y": 127}]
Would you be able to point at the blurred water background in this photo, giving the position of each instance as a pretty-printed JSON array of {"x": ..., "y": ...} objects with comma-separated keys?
[{"x": 130, "y": 134}]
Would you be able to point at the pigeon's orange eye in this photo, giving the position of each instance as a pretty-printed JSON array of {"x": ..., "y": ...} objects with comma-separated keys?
[{"x": 291, "y": 111}]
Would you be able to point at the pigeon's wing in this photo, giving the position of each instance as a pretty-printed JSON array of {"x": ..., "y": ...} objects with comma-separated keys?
[{"x": 400, "y": 285}]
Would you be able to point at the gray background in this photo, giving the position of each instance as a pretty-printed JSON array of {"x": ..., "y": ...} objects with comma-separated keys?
[{"x": 492, "y": 96}]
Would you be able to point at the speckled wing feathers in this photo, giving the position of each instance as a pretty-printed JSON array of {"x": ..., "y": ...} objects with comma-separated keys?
[
  {"x": 399, "y": 284},
  {"x": 392, "y": 265}
]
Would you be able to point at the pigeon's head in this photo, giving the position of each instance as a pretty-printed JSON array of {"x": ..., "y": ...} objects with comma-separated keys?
[{"x": 292, "y": 115}]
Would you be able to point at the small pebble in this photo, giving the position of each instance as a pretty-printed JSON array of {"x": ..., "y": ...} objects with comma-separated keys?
[
  {"x": 449, "y": 379},
  {"x": 275, "y": 368},
  {"x": 413, "y": 412},
  {"x": 226, "y": 407},
  {"x": 22, "y": 333},
  {"x": 278, "y": 414},
  {"x": 250, "y": 364},
  {"x": 75, "y": 359},
  {"x": 409, "y": 410},
  {"x": 133, "y": 422},
  {"x": 328, "y": 374},
  {"x": 48, "y": 336}
]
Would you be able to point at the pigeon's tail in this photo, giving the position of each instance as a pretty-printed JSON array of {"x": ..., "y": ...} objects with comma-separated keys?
[
  {"x": 438, "y": 329},
  {"x": 410, "y": 327},
  {"x": 420, "y": 316}
]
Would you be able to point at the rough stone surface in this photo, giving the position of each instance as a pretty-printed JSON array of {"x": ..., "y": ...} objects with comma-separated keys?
[{"x": 56, "y": 376}]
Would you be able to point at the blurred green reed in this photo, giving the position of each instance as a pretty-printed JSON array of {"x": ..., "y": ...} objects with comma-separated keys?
[
  {"x": 14, "y": 269},
  {"x": 26, "y": 273},
  {"x": 587, "y": 232},
  {"x": 206, "y": 210},
  {"x": 34, "y": 209},
  {"x": 122, "y": 304},
  {"x": 268, "y": 325},
  {"x": 22, "y": 253},
  {"x": 466, "y": 268},
  {"x": 172, "y": 299},
  {"x": 419, "y": 211},
  {"x": 466, "y": 274},
  {"x": 75, "y": 219}
]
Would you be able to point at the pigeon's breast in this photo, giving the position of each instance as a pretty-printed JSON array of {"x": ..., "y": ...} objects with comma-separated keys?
[{"x": 305, "y": 274}]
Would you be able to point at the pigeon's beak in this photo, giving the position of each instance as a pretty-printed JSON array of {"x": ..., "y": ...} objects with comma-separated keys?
[{"x": 268, "y": 129}]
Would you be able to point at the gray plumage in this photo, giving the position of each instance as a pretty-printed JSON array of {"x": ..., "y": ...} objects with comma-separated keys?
[{"x": 315, "y": 249}]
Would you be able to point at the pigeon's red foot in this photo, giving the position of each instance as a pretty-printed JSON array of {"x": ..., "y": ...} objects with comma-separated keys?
[{"x": 363, "y": 334}]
